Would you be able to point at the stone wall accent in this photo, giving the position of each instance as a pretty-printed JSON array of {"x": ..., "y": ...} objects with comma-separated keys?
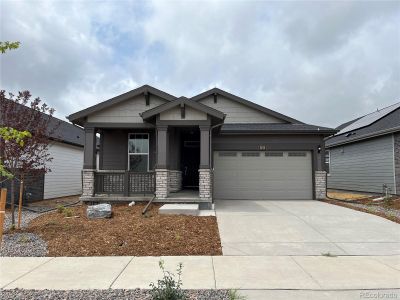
[
  {"x": 396, "y": 145},
  {"x": 320, "y": 184},
  {"x": 87, "y": 182},
  {"x": 162, "y": 183},
  {"x": 175, "y": 180},
  {"x": 205, "y": 184}
]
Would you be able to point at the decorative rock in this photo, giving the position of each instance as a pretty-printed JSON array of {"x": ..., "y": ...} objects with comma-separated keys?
[{"x": 99, "y": 211}]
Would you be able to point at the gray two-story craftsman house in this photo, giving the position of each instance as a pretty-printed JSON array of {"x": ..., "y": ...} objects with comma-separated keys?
[{"x": 214, "y": 145}]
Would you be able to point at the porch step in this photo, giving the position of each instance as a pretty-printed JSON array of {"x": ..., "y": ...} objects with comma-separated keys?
[{"x": 179, "y": 209}]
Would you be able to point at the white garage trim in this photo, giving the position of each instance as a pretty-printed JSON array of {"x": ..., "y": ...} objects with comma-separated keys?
[{"x": 264, "y": 175}]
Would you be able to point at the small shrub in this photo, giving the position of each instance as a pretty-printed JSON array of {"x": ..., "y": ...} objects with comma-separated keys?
[
  {"x": 168, "y": 288},
  {"x": 12, "y": 227},
  {"x": 387, "y": 201},
  {"x": 234, "y": 295},
  {"x": 67, "y": 212},
  {"x": 23, "y": 239},
  {"x": 60, "y": 209}
]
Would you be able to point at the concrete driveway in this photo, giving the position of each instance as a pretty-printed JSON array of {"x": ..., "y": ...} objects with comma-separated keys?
[{"x": 302, "y": 227}]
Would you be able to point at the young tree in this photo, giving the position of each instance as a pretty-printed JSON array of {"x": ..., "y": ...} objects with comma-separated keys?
[
  {"x": 4, "y": 46},
  {"x": 21, "y": 113},
  {"x": 8, "y": 134}
]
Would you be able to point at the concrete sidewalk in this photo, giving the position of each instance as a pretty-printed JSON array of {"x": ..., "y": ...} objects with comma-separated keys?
[{"x": 313, "y": 273}]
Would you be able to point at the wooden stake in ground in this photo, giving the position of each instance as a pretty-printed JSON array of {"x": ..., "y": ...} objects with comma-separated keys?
[
  {"x": 21, "y": 189},
  {"x": 3, "y": 196}
]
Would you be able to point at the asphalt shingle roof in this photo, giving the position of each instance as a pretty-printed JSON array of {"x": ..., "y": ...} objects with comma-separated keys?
[{"x": 275, "y": 128}]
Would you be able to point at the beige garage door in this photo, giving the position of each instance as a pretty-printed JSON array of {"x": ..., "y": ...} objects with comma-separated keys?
[{"x": 265, "y": 175}]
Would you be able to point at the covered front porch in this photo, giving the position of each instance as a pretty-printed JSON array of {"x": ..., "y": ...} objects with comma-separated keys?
[{"x": 164, "y": 158}]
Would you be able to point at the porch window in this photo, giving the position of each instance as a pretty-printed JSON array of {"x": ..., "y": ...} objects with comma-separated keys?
[{"x": 138, "y": 152}]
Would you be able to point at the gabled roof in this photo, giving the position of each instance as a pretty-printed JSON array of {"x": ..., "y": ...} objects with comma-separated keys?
[
  {"x": 246, "y": 103},
  {"x": 380, "y": 122},
  {"x": 118, "y": 99},
  {"x": 182, "y": 101}
]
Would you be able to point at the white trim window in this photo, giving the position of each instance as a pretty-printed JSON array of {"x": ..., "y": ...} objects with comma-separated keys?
[
  {"x": 138, "y": 152},
  {"x": 327, "y": 160}
]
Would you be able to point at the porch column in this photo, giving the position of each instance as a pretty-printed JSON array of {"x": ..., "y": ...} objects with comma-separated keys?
[
  {"x": 205, "y": 172},
  {"x": 320, "y": 176},
  {"x": 162, "y": 190},
  {"x": 89, "y": 162},
  {"x": 204, "y": 147}
]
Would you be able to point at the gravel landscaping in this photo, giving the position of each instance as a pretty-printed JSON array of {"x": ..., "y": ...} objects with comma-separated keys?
[
  {"x": 23, "y": 244},
  {"x": 26, "y": 217},
  {"x": 105, "y": 294}
]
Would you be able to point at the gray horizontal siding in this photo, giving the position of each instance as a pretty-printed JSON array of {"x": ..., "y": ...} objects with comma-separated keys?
[
  {"x": 397, "y": 161},
  {"x": 363, "y": 166},
  {"x": 114, "y": 148}
]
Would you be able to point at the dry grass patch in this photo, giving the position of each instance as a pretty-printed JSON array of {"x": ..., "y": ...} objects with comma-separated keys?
[
  {"x": 127, "y": 233},
  {"x": 341, "y": 195}
]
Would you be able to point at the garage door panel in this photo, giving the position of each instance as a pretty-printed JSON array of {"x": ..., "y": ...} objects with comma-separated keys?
[{"x": 263, "y": 177}]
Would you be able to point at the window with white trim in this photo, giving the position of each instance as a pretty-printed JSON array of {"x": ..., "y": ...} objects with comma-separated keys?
[
  {"x": 327, "y": 160},
  {"x": 138, "y": 152}
]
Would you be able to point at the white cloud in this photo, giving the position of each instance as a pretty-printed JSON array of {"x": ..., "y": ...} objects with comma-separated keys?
[{"x": 322, "y": 63}]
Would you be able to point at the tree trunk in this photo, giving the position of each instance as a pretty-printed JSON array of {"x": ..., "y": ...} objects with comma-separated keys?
[{"x": 12, "y": 201}]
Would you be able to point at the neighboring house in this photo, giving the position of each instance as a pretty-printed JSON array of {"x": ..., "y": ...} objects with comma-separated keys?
[
  {"x": 66, "y": 149},
  {"x": 213, "y": 145},
  {"x": 365, "y": 154}
]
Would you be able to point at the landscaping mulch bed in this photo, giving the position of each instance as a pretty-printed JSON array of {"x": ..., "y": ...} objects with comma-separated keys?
[
  {"x": 46, "y": 205},
  {"x": 106, "y": 294},
  {"x": 388, "y": 210},
  {"x": 128, "y": 232}
]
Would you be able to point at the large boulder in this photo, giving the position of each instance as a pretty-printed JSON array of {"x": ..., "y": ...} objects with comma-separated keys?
[{"x": 99, "y": 211}]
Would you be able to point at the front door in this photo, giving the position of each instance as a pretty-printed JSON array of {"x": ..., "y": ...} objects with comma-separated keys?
[{"x": 190, "y": 160}]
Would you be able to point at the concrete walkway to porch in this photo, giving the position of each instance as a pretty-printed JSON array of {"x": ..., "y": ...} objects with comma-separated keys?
[{"x": 308, "y": 273}]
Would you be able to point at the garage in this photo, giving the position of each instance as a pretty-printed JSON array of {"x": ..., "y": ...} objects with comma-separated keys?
[{"x": 263, "y": 175}]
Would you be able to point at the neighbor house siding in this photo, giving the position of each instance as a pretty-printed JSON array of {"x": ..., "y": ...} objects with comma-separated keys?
[
  {"x": 396, "y": 141},
  {"x": 125, "y": 112},
  {"x": 65, "y": 176},
  {"x": 363, "y": 166},
  {"x": 239, "y": 113}
]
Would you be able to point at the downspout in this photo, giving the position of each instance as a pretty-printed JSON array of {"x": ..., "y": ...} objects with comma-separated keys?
[{"x": 210, "y": 152}]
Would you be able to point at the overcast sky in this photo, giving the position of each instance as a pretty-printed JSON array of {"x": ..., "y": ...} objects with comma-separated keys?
[{"x": 320, "y": 62}]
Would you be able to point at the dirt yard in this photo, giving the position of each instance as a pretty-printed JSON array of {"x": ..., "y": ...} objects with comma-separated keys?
[
  {"x": 127, "y": 233},
  {"x": 344, "y": 195}
]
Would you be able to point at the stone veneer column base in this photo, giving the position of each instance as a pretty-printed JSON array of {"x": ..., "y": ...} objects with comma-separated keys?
[
  {"x": 205, "y": 184},
  {"x": 87, "y": 182},
  {"x": 320, "y": 184},
  {"x": 175, "y": 180},
  {"x": 162, "y": 183}
]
